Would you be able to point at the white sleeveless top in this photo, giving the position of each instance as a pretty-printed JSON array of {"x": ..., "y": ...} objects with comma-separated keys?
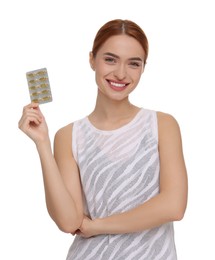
[{"x": 119, "y": 170}]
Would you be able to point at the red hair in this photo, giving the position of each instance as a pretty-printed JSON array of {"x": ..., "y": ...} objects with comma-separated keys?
[{"x": 118, "y": 27}]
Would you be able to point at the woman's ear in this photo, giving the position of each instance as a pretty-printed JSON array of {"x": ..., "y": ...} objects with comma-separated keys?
[
  {"x": 91, "y": 60},
  {"x": 143, "y": 68}
]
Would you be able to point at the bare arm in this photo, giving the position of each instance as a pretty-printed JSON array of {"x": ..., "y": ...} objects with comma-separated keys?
[
  {"x": 70, "y": 176},
  {"x": 169, "y": 205},
  {"x": 61, "y": 181}
]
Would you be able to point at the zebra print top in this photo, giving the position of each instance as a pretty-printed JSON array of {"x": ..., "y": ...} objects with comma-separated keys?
[{"x": 119, "y": 170}]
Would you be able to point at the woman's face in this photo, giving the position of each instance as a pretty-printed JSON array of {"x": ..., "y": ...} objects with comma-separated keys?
[{"x": 118, "y": 66}]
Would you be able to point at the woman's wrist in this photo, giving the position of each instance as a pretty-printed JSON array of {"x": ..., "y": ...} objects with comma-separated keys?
[
  {"x": 43, "y": 145},
  {"x": 99, "y": 226}
]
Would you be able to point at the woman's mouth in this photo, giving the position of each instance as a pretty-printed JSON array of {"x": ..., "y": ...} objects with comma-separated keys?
[{"x": 117, "y": 86}]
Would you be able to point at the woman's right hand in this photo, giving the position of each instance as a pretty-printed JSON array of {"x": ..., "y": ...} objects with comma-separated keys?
[{"x": 33, "y": 123}]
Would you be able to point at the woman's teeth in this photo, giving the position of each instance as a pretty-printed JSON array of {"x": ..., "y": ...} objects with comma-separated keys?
[{"x": 117, "y": 85}]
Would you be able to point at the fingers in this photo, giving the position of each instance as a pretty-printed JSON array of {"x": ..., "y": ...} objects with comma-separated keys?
[
  {"x": 31, "y": 106},
  {"x": 77, "y": 232},
  {"x": 31, "y": 115}
]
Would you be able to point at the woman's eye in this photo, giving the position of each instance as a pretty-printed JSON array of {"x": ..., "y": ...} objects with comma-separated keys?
[
  {"x": 109, "y": 60},
  {"x": 135, "y": 64}
]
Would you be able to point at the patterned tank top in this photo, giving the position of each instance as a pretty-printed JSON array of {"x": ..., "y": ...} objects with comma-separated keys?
[{"x": 119, "y": 170}]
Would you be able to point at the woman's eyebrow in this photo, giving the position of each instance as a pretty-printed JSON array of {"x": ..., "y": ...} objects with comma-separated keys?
[
  {"x": 117, "y": 57},
  {"x": 136, "y": 59},
  {"x": 111, "y": 54}
]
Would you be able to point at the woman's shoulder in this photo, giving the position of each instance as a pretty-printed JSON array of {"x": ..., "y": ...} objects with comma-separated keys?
[
  {"x": 163, "y": 116},
  {"x": 167, "y": 125},
  {"x": 166, "y": 118},
  {"x": 65, "y": 129},
  {"x": 64, "y": 134}
]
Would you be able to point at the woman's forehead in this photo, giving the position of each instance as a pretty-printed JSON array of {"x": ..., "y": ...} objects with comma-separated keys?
[{"x": 122, "y": 45}]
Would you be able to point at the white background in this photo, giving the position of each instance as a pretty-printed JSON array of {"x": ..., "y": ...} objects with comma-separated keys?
[{"x": 178, "y": 79}]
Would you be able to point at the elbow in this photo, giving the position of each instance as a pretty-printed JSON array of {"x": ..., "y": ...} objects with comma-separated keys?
[
  {"x": 69, "y": 228},
  {"x": 178, "y": 216},
  {"x": 177, "y": 207},
  {"x": 70, "y": 225},
  {"x": 178, "y": 213}
]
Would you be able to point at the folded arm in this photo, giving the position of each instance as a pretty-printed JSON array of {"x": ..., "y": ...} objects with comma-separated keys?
[
  {"x": 60, "y": 172},
  {"x": 169, "y": 205},
  {"x": 62, "y": 183}
]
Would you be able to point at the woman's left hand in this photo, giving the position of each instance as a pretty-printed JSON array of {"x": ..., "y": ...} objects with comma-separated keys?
[{"x": 87, "y": 228}]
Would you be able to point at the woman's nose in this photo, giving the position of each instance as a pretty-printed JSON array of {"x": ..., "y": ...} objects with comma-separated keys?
[{"x": 120, "y": 72}]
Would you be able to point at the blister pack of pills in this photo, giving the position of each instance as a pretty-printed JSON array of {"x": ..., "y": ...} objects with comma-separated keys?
[{"x": 39, "y": 86}]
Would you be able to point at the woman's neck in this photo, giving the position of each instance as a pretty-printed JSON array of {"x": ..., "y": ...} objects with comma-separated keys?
[{"x": 110, "y": 110}]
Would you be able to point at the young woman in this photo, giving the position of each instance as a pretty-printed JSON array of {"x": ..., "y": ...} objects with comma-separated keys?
[{"x": 117, "y": 179}]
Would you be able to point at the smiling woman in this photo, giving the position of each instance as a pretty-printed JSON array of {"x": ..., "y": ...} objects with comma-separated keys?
[
  {"x": 122, "y": 183},
  {"x": 119, "y": 69},
  {"x": 113, "y": 59}
]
